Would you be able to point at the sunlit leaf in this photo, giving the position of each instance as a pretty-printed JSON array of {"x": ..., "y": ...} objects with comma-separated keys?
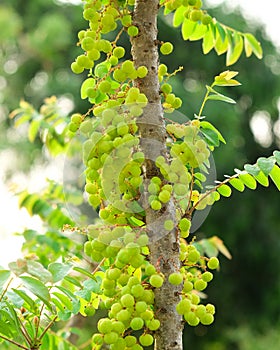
[
  {"x": 34, "y": 129},
  {"x": 208, "y": 41},
  {"x": 187, "y": 28},
  {"x": 200, "y": 177},
  {"x": 248, "y": 180},
  {"x": 235, "y": 49},
  {"x": 220, "y": 97},
  {"x": 65, "y": 301},
  {"x": 247, "y": 47},
  {"x": 23, "y": 295},
  {"x": 262, "y": 179},
  {"x": 179, "y": 17},
  {"x": 34, "y": 268},
  {"x": 90, "y": 82},
  {"x": 59, "y": 271},
  {"x": 224, "y": 190},
  {"x": 255, "y": 45},
  {"x": 237, "y": 184},
  {"x": 37, "y": 288},
  {"x": 221, "y": 46},
  {"x": 275, "y": 176},
  {"x": 198, "y": 32},
  {"x": 84, "y": 272},
  {"x": 221, "y": 31},
  {"x": 4, "y": 276}
]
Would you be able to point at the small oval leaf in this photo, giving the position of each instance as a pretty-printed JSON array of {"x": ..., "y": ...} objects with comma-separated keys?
[
  {"x": 248, "y": 181},
  {"x": 224, "y": 190},
  {"x": 237, "y": 184}
]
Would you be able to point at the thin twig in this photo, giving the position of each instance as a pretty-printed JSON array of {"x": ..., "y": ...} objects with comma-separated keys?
[
  {"x": 13, "y": 342},
  {"x": 24, "y": 332},
  {"x": 48, "y": 327},
  {"x": 6, "y": 289}
]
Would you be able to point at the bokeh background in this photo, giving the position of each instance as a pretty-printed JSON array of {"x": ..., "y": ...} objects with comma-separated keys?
[{"x": 37, "y": 46}]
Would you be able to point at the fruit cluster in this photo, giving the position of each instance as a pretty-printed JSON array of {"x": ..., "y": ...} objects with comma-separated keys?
[
  {"x": 119, "y": 241},
  {"x": 192, "y": 11}
]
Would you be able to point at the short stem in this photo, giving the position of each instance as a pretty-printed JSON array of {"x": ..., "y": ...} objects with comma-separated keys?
[
  {"x": 13, "y": 342},
  {"x": 47, "y": 328}
]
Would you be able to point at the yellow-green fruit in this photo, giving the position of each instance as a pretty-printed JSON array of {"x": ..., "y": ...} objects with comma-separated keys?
[
  {"x": 213, "y": 263},
  {"x": 206, "y": 19},
  {"x": 132, "y": 31},
  {"x": 166, "y": 48},
  {"x": 196, "y": 15}
]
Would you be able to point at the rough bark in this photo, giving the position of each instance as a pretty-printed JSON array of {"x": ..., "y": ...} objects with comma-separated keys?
[{"x": 164, "y": 246}]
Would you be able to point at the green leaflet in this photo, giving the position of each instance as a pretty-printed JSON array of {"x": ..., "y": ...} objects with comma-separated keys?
[
  {"x": 88, "y": 83},
  {"x": 179, "y": 17},
  {"x": 277, "y": 156},
  {"x": 252, "y": 169},
  {"x": 187, "y": 28},
  {"x": 262, "y": 179},
  {"x": 208, "y": 41},
  {"x": 206, "y": 125},
  {"x": 248, "y": 180},
  {"x": 235, "y": 48},
  {"x": 211, "y": 137},
  {"x": 37, "y": 288},
  {"x": 29, "y": 301},
  {"x": 199, "y": 32},
  {"x": 237, "y": 184},
  {"x": 252, "y": 45},
  {"x": 217, "y": 96},
  {"x": 4, "y": 276},
  {"x": 34, "y": 129},
  {"x": 266, "y": 165},
  {"x": 224, "y": 190},
  {"x": 275, "y": 176},
  {"x": 218, "y": 36},
  {"x": 59, "y": 270}
]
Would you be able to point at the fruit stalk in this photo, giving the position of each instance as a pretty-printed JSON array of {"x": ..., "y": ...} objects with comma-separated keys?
[{"x": 164, "y": 248}]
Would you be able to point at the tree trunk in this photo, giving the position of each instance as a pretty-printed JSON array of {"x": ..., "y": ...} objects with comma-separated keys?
[{"x": 164, "y": 246}]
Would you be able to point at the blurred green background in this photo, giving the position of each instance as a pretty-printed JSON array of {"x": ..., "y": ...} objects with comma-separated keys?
[{"x": 37, "y": 46}]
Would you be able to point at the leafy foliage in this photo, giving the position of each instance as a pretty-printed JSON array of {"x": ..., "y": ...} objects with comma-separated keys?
[{"x": 118, "y": 243}]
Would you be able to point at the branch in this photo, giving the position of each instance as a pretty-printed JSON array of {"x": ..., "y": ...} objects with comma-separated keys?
[{"x": 13, "y": 342}]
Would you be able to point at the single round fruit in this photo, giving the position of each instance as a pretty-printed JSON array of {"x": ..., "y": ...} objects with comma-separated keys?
[
  {"x": 195, "y": 15},
  {"x": 155, "y": 204},
  {"x": 175, "y": 278},
  {"x": 132, "y": 31},
  {"x": 119, "y": 52},
  {"x": 206, "y": 19},
  {"x": 207, "y": 276},
  {"x": 136, "y": 323},
  {"x": 156, "y": 281},
  {"x": 168, "y": 225},
  {"x": 146, "y": 339},
  {"x": 184, "y": 224},
  {"x": 142, "y": 71},
  {"x": 166, "y": 48},
  {"x": 200, "y": 285},
  {"x": 153, "y": 325},
  {"x": 213, "y": 263}
]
